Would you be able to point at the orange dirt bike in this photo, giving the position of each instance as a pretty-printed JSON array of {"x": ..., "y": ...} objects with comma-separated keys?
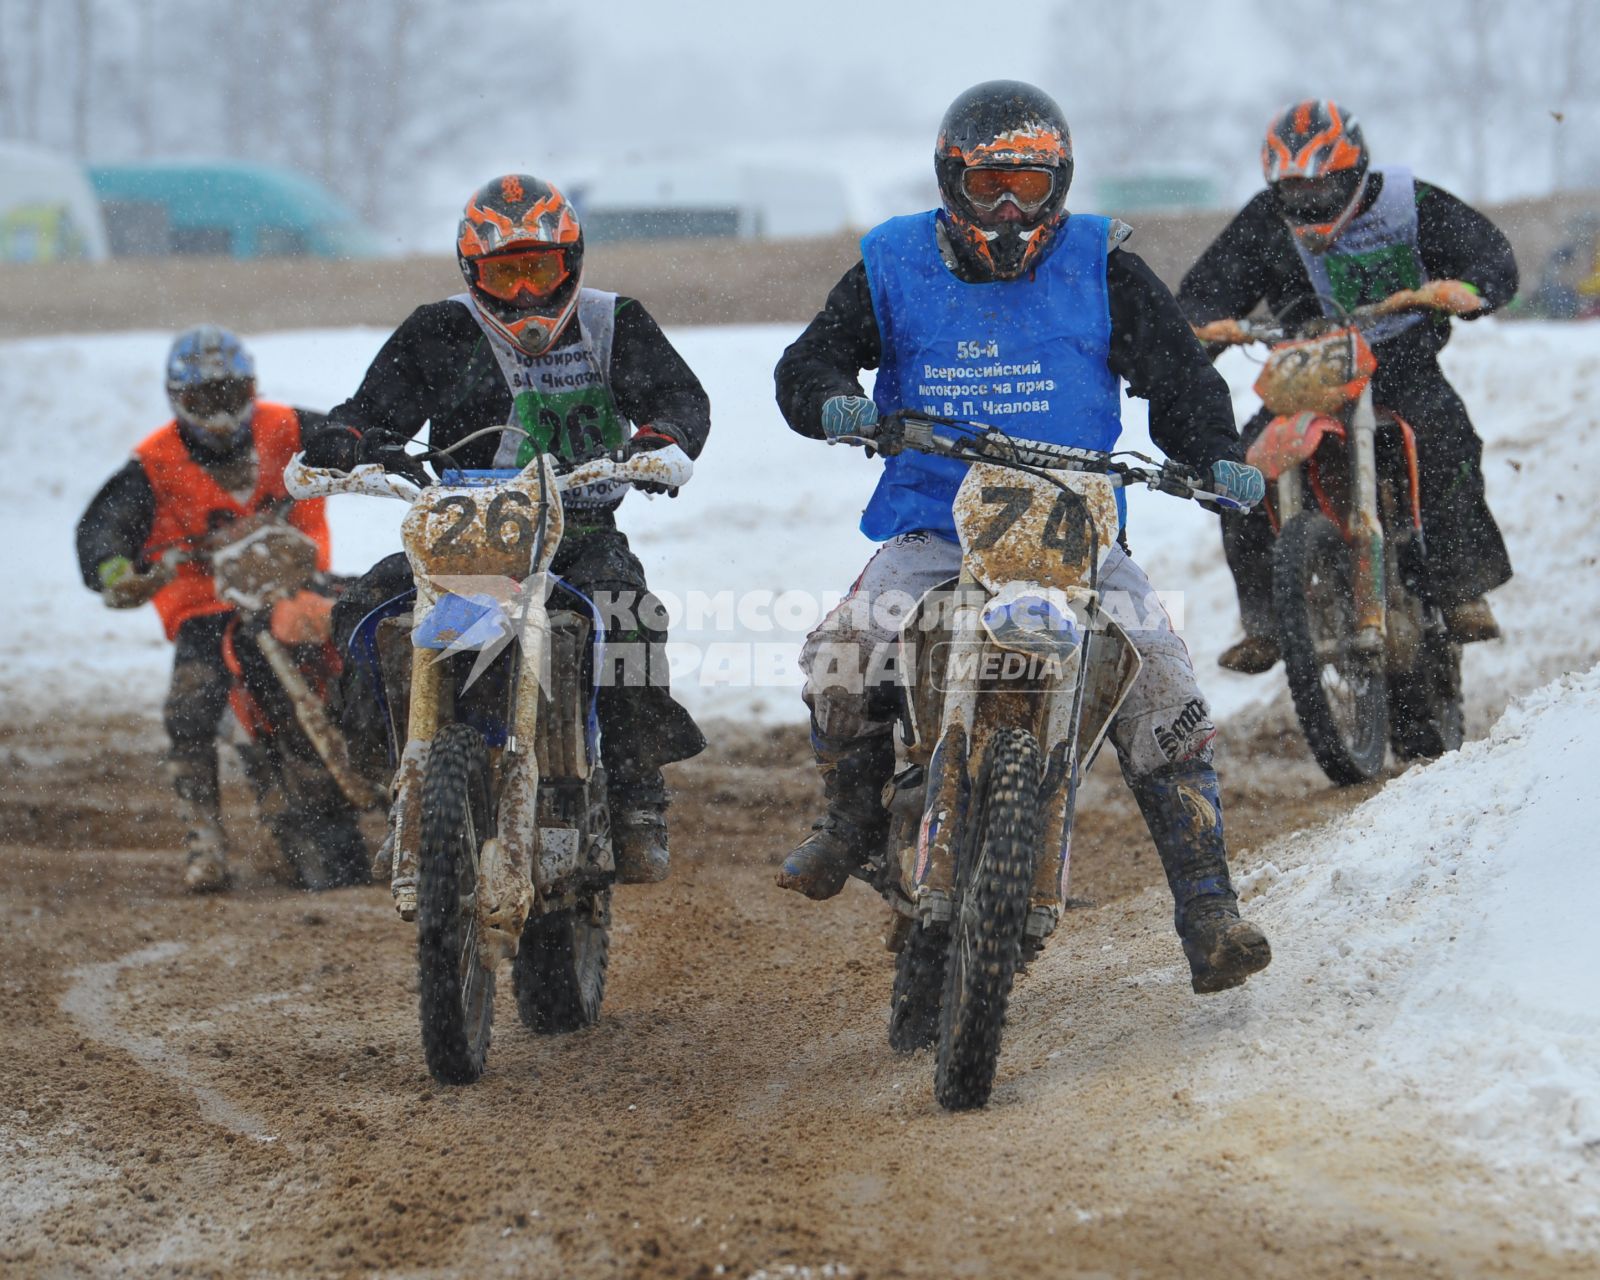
[
  {"x": 486, "y": 670},
  {"x": 267, "y": 570},
  {"x": 1367, "y": 655},
  {"x": 1010, "y": 675}
]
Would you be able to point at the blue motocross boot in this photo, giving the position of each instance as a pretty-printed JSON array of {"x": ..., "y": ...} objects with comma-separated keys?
[
  {"x": 1182, "y": 806},
  {"x": 854, "y": 772}
]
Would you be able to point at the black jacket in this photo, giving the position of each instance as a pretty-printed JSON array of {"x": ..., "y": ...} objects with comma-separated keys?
[
  {"x": 119, "y": 517},
  {"x": 1255, "y": 260},
  {"x": 438, "y": 368},
  {"x": 1152, "y": 349}
]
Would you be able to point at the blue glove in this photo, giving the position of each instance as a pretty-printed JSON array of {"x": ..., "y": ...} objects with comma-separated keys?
[
  {"x": 848, "y": 416},
  {"x": 1239, "y": 481}
]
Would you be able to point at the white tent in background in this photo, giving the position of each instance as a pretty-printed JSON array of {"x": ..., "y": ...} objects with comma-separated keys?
[{"x": 48, "y": 211}]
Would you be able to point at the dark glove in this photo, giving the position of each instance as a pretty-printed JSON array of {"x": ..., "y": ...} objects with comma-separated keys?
[
  {"x": 647, "y": 439},
  {"x": 123, "y": 586},
  {"x": 334, "y": 448},
  {"x": 388, "y": 450}
]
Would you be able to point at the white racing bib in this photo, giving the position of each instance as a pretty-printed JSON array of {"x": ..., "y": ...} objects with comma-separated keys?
[{"x": 561, "y": 401}]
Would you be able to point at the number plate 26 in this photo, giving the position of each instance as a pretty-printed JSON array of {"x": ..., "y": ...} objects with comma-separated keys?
[
  {"x": 484, "y": 530},
  {"x": 1015, "y": 527}
]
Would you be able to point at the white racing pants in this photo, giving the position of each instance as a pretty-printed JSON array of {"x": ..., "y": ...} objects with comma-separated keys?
[{"x": 1164, "y": 721}]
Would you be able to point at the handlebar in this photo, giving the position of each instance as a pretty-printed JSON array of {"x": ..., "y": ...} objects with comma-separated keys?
[
  {"x": 669, "y": 466},
  {"x": 1277, "y": 330},
  {"x": 983, "y": 442}
]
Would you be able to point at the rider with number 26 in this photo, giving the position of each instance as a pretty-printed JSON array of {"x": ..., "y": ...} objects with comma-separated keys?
[{"x": 566, "y": 370}]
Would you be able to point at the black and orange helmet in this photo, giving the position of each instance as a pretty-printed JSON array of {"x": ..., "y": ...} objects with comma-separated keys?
[
  {"x": 1004, "y": 163},
  {"x": 520, "y": 247},
  {"x": 1315, "y": 160}
]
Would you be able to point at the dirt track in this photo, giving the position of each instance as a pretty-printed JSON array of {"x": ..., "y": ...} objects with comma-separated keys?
[{"x": 235, "y": 1086}]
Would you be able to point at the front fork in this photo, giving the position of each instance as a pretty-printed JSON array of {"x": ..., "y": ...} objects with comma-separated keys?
[
  {"x": 969, "y": 715},
  {"x": 507, "y": 859},
  {"x": 1365, "y": 531}
]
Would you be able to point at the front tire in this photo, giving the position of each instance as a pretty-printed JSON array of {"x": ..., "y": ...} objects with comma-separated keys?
[
  {"x": 456, "y": 988},
  {"x": 1425, "y": 713},
  {"x": 918, "y": 984},
  {"x": 1339, "y": 695},
  {"x": 994, "y": 876},
  {"x": 560, "y": 971}
]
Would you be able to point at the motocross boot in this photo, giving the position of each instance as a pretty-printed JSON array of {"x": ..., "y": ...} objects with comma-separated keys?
[
  {"x": 194, "y": 778},
  {"x": 854, "y": 773},
  {"x": 639, "y": 828},
  {"x": 1250, "y": 656},
  {"x": 1182, "y": 806},
  {"x": 1471, "y": 621}
]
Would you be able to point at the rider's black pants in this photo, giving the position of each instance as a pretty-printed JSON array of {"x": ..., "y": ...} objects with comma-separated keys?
[{"x": 1466, "y": 553}]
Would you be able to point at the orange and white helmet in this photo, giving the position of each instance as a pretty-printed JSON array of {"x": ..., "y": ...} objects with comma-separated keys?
[
  {"x": 520, "y": 247},
  {"x": 1315, "y": 160}
]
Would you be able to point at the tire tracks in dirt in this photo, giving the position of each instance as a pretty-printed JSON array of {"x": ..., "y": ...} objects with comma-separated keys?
[{"x": 736, "y": 1112}]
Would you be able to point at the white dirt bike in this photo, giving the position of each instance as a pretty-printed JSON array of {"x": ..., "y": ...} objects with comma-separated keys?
[
  {"x": 1010, "y": 677},
  {"x": 499, "y": 797}
]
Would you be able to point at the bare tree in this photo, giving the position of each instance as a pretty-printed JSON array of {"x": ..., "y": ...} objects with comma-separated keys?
[{"x": 83, "y": 78}]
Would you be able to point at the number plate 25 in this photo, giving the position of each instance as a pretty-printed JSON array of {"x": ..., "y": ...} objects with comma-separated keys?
[{"x": 1019, "y": 528}]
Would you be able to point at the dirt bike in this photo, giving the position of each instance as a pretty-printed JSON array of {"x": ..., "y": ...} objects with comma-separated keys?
[
  {"x": 486, "y": 673},
  {"x": 1369, "y": 662},
  {"x": 267, "y": 570},
  {"x": 1010, "y": 676}
]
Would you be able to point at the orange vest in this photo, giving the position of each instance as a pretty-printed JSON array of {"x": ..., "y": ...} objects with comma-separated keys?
[{"x": 190, "y": 504}]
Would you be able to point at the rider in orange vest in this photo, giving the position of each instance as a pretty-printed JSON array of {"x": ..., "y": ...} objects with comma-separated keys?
[{"x": 219, "y": 460}]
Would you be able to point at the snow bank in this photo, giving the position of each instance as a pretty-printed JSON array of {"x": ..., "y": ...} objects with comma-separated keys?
[
  {"x": 1438, "y": 945},
  {"x": 765, "y": 537}
]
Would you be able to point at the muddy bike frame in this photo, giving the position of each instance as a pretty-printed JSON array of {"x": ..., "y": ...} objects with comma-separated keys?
[
  {"x": 1034, "y": 520},
  {"x": 255, "y": 564},
  {"x": 486, "y": 528},
  {"x": 1317, "y": 381}
]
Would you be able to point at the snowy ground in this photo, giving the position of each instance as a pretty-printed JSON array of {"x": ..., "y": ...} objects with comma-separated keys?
[
  {"x": 765, "y": 538},
  {"x": 1443, "y": 952}
]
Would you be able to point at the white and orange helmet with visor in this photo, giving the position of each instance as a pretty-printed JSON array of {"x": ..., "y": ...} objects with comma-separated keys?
[
  {"x": 1315, "y": 160},
  {"x": 520, "y": 248}
]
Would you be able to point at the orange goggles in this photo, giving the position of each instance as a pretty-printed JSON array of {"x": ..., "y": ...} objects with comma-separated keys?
[
  {"x": 538, "y": 272},
  {"x": 1029, "y": 188}
]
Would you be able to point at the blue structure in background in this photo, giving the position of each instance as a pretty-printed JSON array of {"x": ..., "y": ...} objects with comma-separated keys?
[{"x": 223, "y": 208}]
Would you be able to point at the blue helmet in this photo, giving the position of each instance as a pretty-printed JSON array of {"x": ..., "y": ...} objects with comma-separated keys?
[{"x": 211, "y": 384}]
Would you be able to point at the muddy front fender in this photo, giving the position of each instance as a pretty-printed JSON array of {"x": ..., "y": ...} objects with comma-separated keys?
[{"x": 1289, "y": 442}]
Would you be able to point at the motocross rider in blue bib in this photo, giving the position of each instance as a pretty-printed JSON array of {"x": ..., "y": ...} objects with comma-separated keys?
[{"x": 1002, "y": 307}]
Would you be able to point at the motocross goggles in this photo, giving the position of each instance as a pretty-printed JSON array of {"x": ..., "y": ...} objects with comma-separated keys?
[
  {"x": 1314, "y": 200},
  {"x": 1028, "y": 189},
  {"x": 524, "y": 276},
  {"x": 216, "y": 402}
]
